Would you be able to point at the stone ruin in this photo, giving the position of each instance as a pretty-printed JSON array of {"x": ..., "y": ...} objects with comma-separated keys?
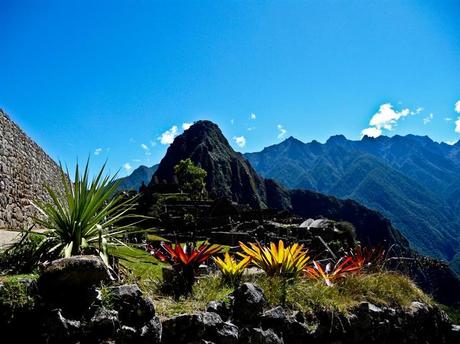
[{"x": 24, "y": 170}]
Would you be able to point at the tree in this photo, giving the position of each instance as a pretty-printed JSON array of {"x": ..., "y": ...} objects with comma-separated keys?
[{"x": 191, "y": 178}]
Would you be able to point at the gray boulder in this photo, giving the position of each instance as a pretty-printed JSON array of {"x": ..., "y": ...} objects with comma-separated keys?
[
  {"x": 76, "y": 275},
  {"x": 220, "y": 308},
  {"x": 259, "y": 336},
  {"x": 133, "y": 308},
  {"x": 248, "y": 304},
  {"x": 59, "y": 329},
  {"x": 197, "y": 328},
  {"x": 274, "y": 318},
  {"x": 103, "y": 324}
]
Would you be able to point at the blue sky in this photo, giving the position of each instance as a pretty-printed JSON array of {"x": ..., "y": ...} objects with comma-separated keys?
[{"x": 108, "y": 78}]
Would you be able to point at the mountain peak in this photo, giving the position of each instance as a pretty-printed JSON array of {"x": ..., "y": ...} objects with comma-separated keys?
[
  {"x": 292, "y": 140},
  {"x": 228, "y": 173},
  {"x": 337, "y": 139}
]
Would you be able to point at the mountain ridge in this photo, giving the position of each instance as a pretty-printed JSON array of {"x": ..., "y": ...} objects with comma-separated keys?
[
  {"x": 414, "y": 176},
  {"x": 231, "y": 175},
  {"x": 141, "y": 175}
]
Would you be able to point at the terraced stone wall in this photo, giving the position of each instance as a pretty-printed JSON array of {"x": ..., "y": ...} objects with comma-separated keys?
[{"x": 24, "y": 170}]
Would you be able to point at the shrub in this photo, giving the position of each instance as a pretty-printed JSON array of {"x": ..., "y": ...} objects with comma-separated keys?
[
  {"x": 16, "y": 295},
  {"x": 279, "y": 260},
  {"x": 22, "y": 257}
]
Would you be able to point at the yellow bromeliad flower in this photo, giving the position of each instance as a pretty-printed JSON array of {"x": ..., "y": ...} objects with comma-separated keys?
[
  {"x": 275, "y": 259},
  {"x": 230, "y": 268}
]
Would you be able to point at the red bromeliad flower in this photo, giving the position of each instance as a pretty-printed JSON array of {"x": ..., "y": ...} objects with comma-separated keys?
[
  {"x": 330, "y": 273},
  {"x": 368, "y": 258},
  {"x": 188, "y": 255}
]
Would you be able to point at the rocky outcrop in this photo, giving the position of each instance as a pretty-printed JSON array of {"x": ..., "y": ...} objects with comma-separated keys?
[
  {"x": 67, "y": 305},
  {"x": 252, "y": 322},
  {"x": 124, "y": 315},
  {"x": 24, "y": 169},
  {"x": 77, "y": 275}
]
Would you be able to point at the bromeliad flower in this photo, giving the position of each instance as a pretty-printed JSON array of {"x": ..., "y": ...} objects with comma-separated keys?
[
  {"x": 188, "y": 255},
  {"x": 231, "y": 269},
  {"x": 275, "y": 259},
  {"x": 331, "y": 273}
]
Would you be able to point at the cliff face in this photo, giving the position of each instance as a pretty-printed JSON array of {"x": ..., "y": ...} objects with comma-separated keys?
[
  {"x": 229, "y": 174},
  {"x": 24, "y": 169}
]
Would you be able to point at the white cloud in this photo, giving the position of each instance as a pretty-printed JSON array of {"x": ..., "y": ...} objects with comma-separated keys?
[
  {"x": 451, "y": 143},
  {"x": 127, "y": 166},
  {"x": 232, "y": 121},
  {"x": 240, "y": 141},
  {"x": 185, "y": 126},
  {"x": 168, "y": 136},
  {"x": 457, "y": 106},
  {"x": 371, "y": 132},
  {"x": 251, "y": 128},
  {"x": 153, "y": 143},
  {"x": 281, "y": 130},
  {"x": 428, "y": 118},
  {"x": 98, "y": 151},
  {"x": 457, "y": 125},
  {"x": 448, "y": 119},
  {"x": 253, "y": 116},
  {"x": 386, "y": 118}
]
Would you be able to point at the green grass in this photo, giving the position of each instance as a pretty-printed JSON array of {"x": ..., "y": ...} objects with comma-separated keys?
[
  {"x": 381, "y": 289},
  {"x": 452, "y": 312},
  {"x": 205, "y": 290},
  {"x": 15, "y": 278},
  {"x": 14, "y": 294},
  {"x": 143, "y": 268}
]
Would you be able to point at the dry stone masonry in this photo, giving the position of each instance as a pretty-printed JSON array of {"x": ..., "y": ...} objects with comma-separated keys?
[{"x": 24, "y": 169}]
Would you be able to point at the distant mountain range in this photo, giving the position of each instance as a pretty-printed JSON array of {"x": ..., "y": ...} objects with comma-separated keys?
[
  {"x": 232, "y": 176},
  {"x": 133, "y": 182},
  {"x": 412, "y": 180}
]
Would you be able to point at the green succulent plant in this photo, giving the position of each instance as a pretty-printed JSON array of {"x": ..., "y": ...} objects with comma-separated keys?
[{"x": 85, "y": 216}]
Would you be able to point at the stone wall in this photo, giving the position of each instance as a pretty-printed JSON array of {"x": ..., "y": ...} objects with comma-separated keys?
[{"x": 24, "y": 170}]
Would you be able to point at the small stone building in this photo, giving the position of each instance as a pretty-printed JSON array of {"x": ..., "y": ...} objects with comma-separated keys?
[{"x": 24, "y": 170}]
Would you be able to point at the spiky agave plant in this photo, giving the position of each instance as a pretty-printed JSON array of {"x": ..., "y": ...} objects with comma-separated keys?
[
  {"x": 85, "y": 216},
  {"x": 279, "y": 260},
  {"x": 231, "y": 269}
]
